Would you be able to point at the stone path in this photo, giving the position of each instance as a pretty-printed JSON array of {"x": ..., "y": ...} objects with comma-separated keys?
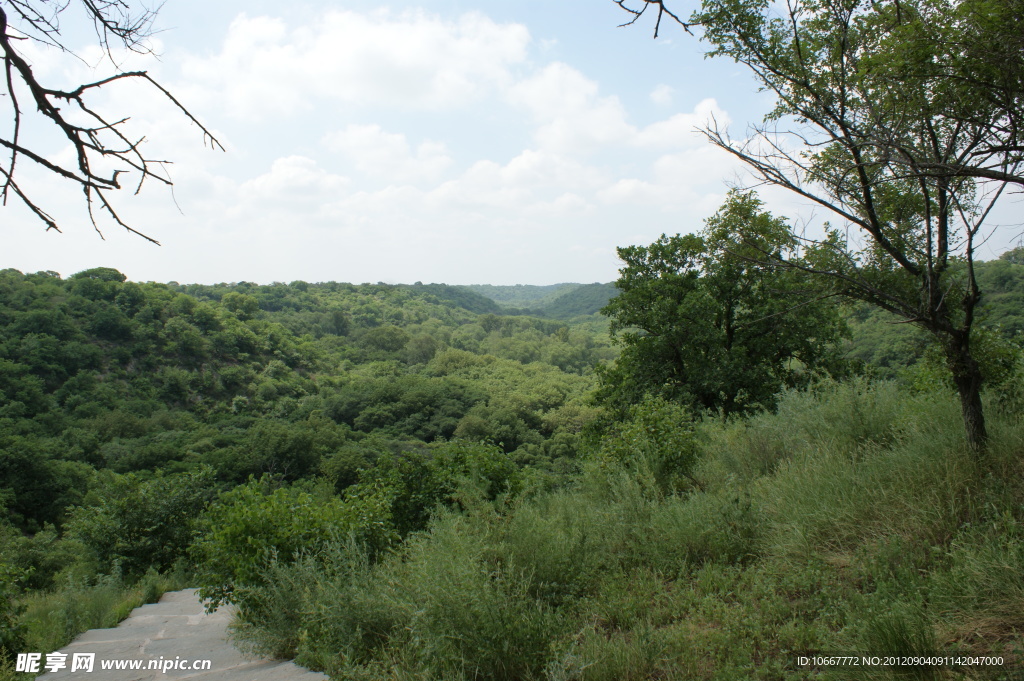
[{"x": 174, "y": 630}]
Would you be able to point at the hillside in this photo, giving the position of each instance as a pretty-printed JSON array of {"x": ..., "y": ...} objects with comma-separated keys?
[
  {"x": 888, "y": 345},
  {"x": 400, "y": 480},
  {"x": 524, "y": 296},
  {"x": 584, "y": 300},
  {"x": 558, "y": 301},
  {"x": 98, "y": 373}
]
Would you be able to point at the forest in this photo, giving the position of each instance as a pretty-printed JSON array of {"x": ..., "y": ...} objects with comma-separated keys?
[{"x": 393, "y": 481}]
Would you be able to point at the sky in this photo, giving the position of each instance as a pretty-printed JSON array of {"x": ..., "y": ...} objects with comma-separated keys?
[{"x": 507, "y": 142}]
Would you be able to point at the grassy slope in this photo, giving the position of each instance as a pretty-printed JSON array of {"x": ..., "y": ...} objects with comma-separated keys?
[{"x": 853, "y": 520}]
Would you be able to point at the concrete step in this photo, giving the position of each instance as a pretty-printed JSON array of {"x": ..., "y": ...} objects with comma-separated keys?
[{"x": 175, "y": 630}]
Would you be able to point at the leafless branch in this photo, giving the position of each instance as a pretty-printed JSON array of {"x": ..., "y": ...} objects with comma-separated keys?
[
  {"x": 662, "y": 10},
  {"x": 100, "y": 136}
]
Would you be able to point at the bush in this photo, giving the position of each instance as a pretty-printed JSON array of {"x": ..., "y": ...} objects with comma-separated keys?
[
  {"x": 470, "y": 617},
  {"x": 132, "y": 524},
  {"x": 12, "y": 630},
  {"x": 656, "y": 440},
  {"x": 252, "y": 525},
  {"x": 42, "y": 556},
  {"x": 565, "y": 542},
  {"x": 326, "y": 608},
  {"x": 723, "y": 527},
  {"x": 420, "y": 481}
]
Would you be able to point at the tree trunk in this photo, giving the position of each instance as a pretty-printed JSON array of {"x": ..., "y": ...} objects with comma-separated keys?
[{"x": 967, "y": 378}]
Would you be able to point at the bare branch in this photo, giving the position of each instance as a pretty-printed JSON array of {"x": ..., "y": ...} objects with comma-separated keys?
[
  {"x": 116, "y": 24},
  {"x": 662, "y": 10}
]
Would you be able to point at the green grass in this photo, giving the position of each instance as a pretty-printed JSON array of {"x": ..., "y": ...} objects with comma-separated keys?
[
  {"x": 54, "y": 618},
  {"x": 854, "y": 520}
]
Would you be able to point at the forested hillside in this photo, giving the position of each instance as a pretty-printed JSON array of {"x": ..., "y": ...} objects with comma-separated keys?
[
  {"x": 398, "y": 478},
  {"x": 100, "y": 373},
  {"x": 558, "y": 301},
  {"x": 881, "y": 342},
  {"x": 524, "y": 296}
]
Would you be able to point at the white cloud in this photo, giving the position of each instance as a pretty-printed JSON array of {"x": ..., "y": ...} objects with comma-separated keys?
[
  {"x": 680, "y": 130},
  {"x": 662, "y": 94},
  {"x": 408, "y": 60},
  {"x": 292, "y": 179},
  {"x": 540, "y": 170},
  {"x": 532, "y": 177},
  {"x": 570, "y": 115},
  {"x": 387, "y": 155}
]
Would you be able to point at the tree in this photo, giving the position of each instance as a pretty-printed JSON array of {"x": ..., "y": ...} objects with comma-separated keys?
[
  {"x": 703, "y": 325},
  {"x": 1014, "y": 256},
  {"x": 102, "y": 148},
  {"x": 903, "y": 119}
]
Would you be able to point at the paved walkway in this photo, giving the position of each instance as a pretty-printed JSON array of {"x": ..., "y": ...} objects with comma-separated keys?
[{"x": 175, "y": 630}]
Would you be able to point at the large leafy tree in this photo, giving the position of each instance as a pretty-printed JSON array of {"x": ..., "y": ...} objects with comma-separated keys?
[
  {"x": 903, "y": 118},
  {"x": 703, "y": 323}
]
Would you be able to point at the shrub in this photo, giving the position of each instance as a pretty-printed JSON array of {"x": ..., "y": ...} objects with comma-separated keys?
[
  {"x": 656, "y": 440},
  {"x": 136, "y": 524},
  {"x": 12, "y": 630},
  {"x": 420, "y": 481},
  {"x": 253, "y": 524},
  {"x": 471, "y": 618},
  {"x": 327, "y": 608}
]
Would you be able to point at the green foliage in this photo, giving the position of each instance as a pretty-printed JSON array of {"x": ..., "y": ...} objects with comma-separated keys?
[
  {"x": 902, "y": 547},
  {"x": 656, "y": 441},
  {"x": 471, "y": 617},
  {"x": 703, "y": 324},
  {"x": 43, "y": 558},
  {"x": 900, "y": 116},
  {"x": 129, "y": 524},
  {"x": 419, "y": 481},
  {"x": 522, "y": 295},
  {"x": 12, "y": 631},
  {"x": 1014, "y": 256},
  {"x": 464, "y": 297},
  {"x": 983, "y": 584},
  {"x": 1001, "y": 360},
  {"x": 54, "y": 618},
  {"x": 584, "y": 300},
  {"x": 249, "y": 526},
  {"x": 97, "y": 372},
  {"x": 37, "y": 486},
  {"x": 886, "y": 347},
  {"x": 679, "y": 546}
]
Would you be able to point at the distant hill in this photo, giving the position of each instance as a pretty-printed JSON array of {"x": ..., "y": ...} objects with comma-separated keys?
[
  {"x": 522, "y": 296},
  {"x": 459, "y": 296},
  {"x": 581, "y": 301},
  {"x": 557, "y": 301}
]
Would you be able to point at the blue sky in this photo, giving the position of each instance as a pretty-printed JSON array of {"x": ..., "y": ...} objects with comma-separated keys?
[{"x": 436, "y": 141}]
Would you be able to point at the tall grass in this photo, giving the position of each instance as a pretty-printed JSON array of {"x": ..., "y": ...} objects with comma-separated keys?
[
  {"x": 853, "y": 519},
  {"x": 55, "y": 617}
]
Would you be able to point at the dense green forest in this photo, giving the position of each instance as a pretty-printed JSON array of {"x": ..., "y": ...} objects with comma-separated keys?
[
  {"x": 103, "y": 374},
  {"x": 437, "y": 468}
]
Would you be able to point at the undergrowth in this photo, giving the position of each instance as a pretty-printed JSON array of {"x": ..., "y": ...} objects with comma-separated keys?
[
  {"x": 852, "y": 521},
  {"x": 53, "y": 618}
]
